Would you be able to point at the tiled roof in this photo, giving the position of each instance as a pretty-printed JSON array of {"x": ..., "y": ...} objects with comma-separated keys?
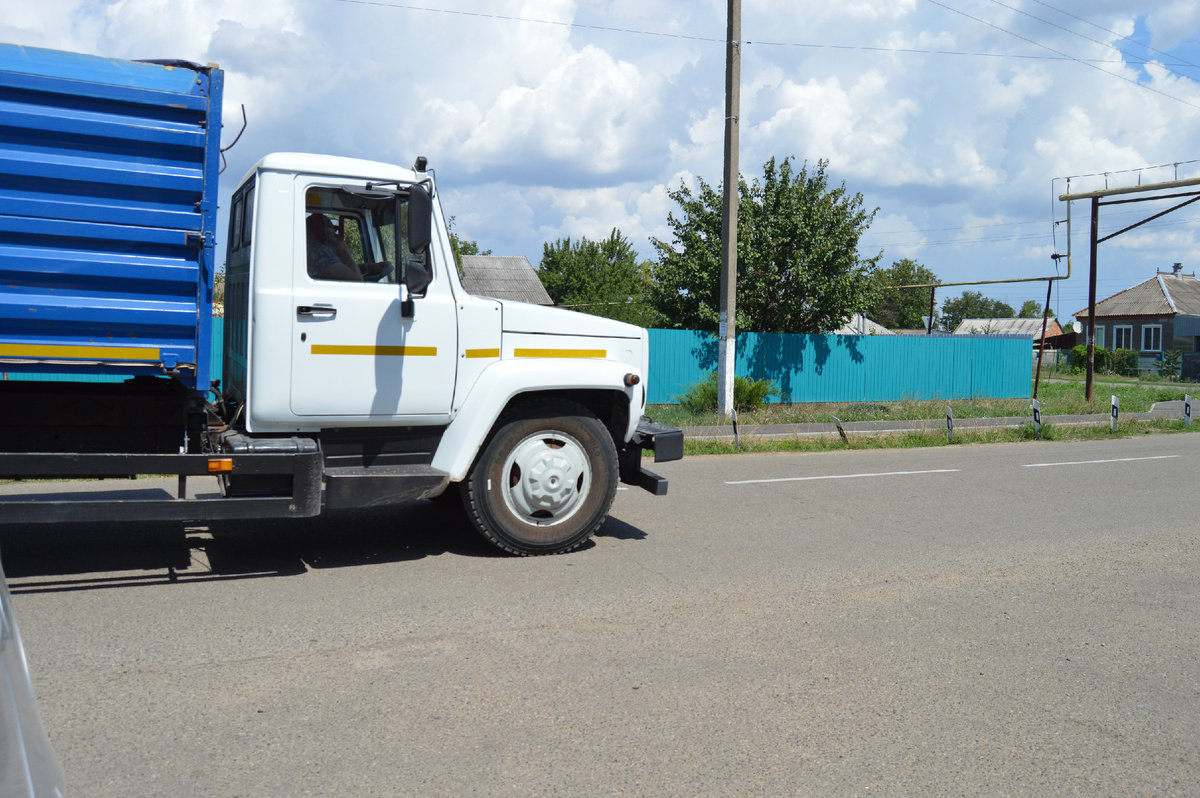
[
  {"x": 1029, "y": 327},
  {"x": 503, "y": 277},
  {"x": 1161, "y": 295}
]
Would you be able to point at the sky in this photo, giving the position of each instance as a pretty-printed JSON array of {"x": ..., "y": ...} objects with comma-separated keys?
[{"x": 960, "y": 120}]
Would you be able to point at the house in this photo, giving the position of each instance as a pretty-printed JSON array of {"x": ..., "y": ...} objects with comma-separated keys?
[
  {"x": 861, "y": 325},
  {"x": 1161, "y": 313},
  {"x": 924, "y": 331},
  {"x": 503, "y": 277},
  {"x": 1028, "y": 328}
]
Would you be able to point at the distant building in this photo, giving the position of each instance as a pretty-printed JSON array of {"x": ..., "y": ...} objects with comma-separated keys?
[
  {"x": 1161, "y": 313},
  {"x": 1030, "y": 328},
  {"x": 861, "y": 325},
  {"x": 503, "y": 277}
]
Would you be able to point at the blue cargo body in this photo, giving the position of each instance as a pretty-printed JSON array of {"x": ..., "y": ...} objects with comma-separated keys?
[{"x": 108, "y": 208}]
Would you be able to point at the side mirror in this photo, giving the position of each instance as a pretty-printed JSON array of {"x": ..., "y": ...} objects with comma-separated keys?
[
  {"x": 420, "y": 219},
  {"x": 416, "y": 277}
]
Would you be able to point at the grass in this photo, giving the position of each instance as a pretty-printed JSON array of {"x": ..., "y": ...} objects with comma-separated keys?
[
  {"x": 827, "y": 443},
  {"x": 1152, "y": 379},
  {"x": 1056, "y": 399}
]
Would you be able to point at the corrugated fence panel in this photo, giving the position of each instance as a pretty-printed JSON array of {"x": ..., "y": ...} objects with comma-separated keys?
[
  {"x": 849, "y": 368},
  {"x": 1000, "y": 367},
  {"x": 678, "y": 358}
]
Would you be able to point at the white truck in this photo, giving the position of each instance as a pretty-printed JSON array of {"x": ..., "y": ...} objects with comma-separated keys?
[{"x": 356, "y": 370}]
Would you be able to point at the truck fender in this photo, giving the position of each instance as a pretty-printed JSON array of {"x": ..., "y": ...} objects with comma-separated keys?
[{"x": 505, "y": 379}]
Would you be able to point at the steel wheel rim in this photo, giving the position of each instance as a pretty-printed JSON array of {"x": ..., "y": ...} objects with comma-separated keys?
[{"x": 545, "y": 478}]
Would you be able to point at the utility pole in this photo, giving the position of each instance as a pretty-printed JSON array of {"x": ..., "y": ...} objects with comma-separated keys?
[
  {"x": 1091, "y": 328},
  {"x": 727, "y": 328}
]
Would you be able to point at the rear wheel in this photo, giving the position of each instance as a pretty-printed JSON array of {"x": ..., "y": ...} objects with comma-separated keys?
[{"x": 545, "y": 481}]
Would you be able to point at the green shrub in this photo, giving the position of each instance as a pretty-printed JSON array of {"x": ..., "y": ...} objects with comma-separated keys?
[
  {"x": 1079, "y": 357},
  {"x": 1123, "y": 361},
  {"x": 701, "y": 397},
  {"x": 1168, "y": 367}
]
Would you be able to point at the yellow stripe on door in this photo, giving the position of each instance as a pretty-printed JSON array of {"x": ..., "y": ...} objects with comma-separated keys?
[
  {"x": 87, "y": 352},
  {"x": 560, "y": 353},
  {"x": 381, "y": 351},
  {"x": 482, "y": 353}
]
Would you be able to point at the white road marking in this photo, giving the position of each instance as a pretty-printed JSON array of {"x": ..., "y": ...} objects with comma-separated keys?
[
  {"x": 1088, "y": 462},
  {"x": 843, "y": 476}
]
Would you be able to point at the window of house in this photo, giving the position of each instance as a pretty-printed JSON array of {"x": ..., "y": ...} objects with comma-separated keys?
[
  {"x": 1099, "y": 335},
  {"x": 1123, "y": 336},
  {"x": 1152, "y": 338}
]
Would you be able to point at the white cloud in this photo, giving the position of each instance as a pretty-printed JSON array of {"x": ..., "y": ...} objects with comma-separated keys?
[{"x": 540, "y": 130}]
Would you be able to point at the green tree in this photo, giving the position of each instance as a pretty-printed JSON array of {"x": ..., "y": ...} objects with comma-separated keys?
[
  {"x": 1032, "y": 309},
  {"x": 462, "y": 246},
  {"x": 973, "y": 305},
  {"x": 603, "y": 278},
  {"x": 799, "y": 270},
  {"x": 902, "y": 309}
]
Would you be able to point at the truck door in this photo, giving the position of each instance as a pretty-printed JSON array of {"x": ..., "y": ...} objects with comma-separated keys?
[{"x": 353, "y": 355}]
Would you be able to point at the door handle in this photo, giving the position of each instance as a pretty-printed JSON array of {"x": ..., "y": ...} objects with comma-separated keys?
[{"x": 319, "y": 310}]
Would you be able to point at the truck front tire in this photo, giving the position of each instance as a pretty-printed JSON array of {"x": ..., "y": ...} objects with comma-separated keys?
[{"x": 545, "y": 481}]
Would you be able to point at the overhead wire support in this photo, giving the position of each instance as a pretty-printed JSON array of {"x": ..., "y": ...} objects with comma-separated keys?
[{"x": 1155, "y": 190}]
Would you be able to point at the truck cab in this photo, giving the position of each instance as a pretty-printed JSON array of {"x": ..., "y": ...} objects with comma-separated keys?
[{"x": 347, "y": 323}]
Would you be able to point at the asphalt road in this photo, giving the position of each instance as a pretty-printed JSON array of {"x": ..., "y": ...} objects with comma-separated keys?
[{"x": 975, "y": 620}]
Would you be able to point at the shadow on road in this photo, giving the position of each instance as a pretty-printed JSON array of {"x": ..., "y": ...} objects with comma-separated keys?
[
  {"x": 66, "y": 557},
  {"x": 125, "y": 554}
]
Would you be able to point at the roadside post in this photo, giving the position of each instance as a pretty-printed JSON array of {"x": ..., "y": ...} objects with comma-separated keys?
[
  {"x": 1187, "y": 410},
  {"x": 949, "y": 425},
  {"x": 1116, "y": 409},
  {"x": 1037, "y": 419}
]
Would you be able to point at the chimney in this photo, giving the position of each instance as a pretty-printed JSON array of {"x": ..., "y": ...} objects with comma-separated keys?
[{"x": 1177, "y": 268}]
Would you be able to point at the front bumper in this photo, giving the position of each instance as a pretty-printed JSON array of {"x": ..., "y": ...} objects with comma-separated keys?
[{"x": 666, "y": 443}]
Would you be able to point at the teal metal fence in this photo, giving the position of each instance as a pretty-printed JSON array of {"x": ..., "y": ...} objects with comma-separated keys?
[
  {"x": 808, "y": 368},
  {"x": 849, "y": 368}
]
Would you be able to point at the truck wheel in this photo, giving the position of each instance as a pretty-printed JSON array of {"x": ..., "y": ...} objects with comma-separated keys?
[{"x": 545, "y": 481}]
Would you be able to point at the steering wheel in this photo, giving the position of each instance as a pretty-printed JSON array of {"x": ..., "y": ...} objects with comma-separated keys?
[{"x": 377, "y": 278}]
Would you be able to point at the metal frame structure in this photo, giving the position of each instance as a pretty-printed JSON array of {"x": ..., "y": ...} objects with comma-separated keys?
[
  {"x": 304, "y": 469},
  {"x": 1095, "y": 239}
]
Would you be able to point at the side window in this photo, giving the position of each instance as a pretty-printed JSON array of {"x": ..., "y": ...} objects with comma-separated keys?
[
  {"x": 235, "y": 224},
  {"x": 1152, "y": 338},
  {"x": 350, "y": 235},
  {"x": 248, "y": 212}
]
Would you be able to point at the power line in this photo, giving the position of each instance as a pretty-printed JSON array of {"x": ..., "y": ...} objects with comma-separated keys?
[
  {"x": 1080, "y": 35},
  {"x": 709, "y": 39},
  {"x": 1114, "y": 33},
  {"x": 509, "y": 18},
  {"x": 1065, "y": 55}
]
